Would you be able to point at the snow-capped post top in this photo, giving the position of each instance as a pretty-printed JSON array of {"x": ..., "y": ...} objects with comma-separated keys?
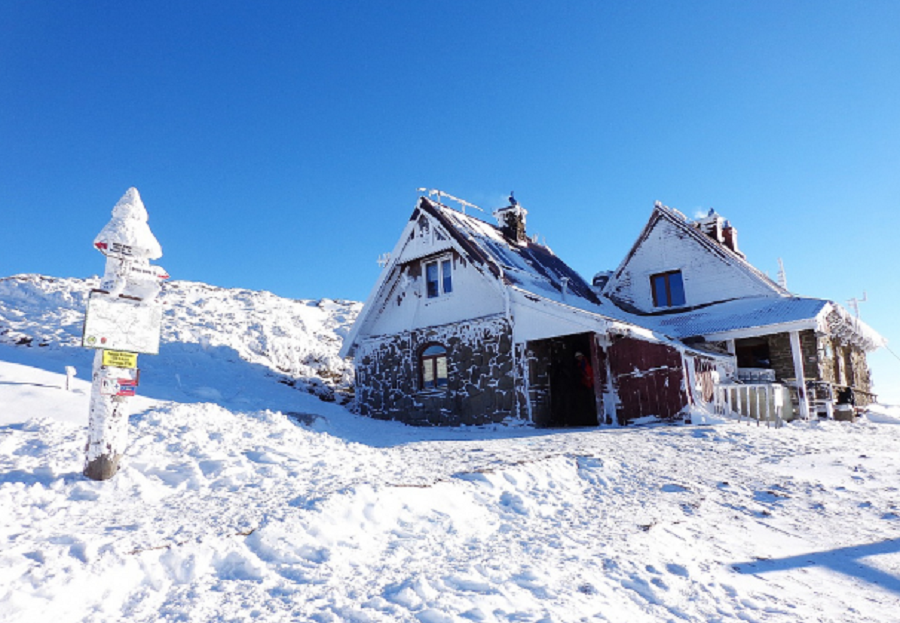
[{"x": 127, "y": 234}]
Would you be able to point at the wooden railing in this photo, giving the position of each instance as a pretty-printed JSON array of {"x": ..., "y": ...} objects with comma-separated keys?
[
  {"x": 824, "y": 397},
  {"x": 762, "y": 402}
]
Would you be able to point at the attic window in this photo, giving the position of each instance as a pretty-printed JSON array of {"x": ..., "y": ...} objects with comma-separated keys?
[
  {"x": 439, "y": 277},
  {"x": 668, "y": 289},
  {"x": 424, "y": 227},
  {"x": 433, "y": 367}
]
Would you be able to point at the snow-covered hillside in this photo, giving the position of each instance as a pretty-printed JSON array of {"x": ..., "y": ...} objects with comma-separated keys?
[
  {"x": 242, "y": 499},
  {"x": 297, "y": 339}
]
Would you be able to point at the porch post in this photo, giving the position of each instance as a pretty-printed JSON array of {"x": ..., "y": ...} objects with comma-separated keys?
[{"x": 798, "y": 374}]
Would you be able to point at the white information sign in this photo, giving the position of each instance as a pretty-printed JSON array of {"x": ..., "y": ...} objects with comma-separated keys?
[{"x": 114, "y": 323}]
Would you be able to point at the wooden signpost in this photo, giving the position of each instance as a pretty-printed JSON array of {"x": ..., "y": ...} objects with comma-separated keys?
[{"x": 122, "y": 319}]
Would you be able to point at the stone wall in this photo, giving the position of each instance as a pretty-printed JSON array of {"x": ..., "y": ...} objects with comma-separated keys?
[
  {"x": 481, "y": 379},
  {"x": 783, "y": 359},
  {"x": 823, "y": 359}
]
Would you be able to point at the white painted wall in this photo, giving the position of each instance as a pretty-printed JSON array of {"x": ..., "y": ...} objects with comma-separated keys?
[
  {"x": 405, "y": 304},
  {"x": 537, "y": 320},
  {"x": 707, "y": 277}
]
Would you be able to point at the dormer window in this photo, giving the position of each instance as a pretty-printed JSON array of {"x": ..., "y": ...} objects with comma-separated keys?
[
  {"x": 439, "y": 277},
  {"x": 668, "y": 289}
]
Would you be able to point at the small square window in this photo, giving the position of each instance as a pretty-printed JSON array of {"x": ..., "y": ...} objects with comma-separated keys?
[
  {"x": 438, "y": 278},
  {"x": 668, "y": 289}
]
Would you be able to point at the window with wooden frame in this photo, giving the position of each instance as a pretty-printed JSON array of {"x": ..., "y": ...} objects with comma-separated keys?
[
  {"x": 433, "y": 367},
  {"x": 438, "y": 277},
  {"x": 668, "y": 289}
]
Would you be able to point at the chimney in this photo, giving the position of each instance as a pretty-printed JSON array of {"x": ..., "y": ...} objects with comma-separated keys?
[
  {"x": 711, "y": 225},
  {"x": 719, "y": 230},
  {"x": 729, "y": 238},
  {"x": 511, "y": 221}
]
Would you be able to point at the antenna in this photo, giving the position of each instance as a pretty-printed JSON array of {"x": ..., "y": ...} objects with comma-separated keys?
[
  {"x": 854, "y": 303},
  {"x": 440, "y": 193},
  {"x": 383, "y": 259},
  {"x": 782, "y": 275}
]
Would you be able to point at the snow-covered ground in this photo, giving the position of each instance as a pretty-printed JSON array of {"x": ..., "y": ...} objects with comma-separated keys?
[{"x": 242, "y": 498}]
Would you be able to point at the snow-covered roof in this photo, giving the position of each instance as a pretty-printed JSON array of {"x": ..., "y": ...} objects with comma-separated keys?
[
  {"x": 763, "y": 315},
  {"x": 527, "y": 265},
  {"x": 739, "y": 314},
  {"x": 689, "y": 230},
  {"x": 533, "y": 270}
]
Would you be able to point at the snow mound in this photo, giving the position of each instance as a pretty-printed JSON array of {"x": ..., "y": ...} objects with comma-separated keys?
[
  {"x": 882, "y": 414},
  {"x": 298, "y": 339}
]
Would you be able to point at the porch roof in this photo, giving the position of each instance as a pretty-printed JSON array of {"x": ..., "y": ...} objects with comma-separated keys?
[
  {"x": 765, "y": 315},
  {"x": 741, "y": 314}
]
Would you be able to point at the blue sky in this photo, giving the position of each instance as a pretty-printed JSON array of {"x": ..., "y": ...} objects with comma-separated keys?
[{"x": 278, "y": 145}]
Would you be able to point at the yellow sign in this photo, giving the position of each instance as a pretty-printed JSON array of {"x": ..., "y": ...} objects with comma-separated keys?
[{"x": 119, "y": 359}]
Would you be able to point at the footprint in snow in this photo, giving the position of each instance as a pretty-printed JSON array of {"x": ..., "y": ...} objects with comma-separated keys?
[{"x": 514, "y": 503}]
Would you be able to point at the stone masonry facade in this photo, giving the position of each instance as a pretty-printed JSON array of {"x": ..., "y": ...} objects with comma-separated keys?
[
  {"x": 825, "y": 359},
  {"x": 481, "y": 375},
  {"x": 823, "y": 356}
]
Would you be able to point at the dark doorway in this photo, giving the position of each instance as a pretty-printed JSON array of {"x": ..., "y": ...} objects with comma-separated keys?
[
  {"x": 561, "y": 383},
  {"x": 753, "y": 353}
]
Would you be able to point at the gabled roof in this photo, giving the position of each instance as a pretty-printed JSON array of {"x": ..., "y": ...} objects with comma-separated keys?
[
  {"x": 535, "y": 272},
  {"x": 689, "y": 231},
  {"x": 526, "y": 265}
]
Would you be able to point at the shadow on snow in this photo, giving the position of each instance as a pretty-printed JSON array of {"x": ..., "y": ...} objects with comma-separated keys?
[{"x": 845, "y": 560}]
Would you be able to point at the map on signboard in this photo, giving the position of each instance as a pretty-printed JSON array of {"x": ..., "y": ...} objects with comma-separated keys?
[{"x": 114, "y": 323}]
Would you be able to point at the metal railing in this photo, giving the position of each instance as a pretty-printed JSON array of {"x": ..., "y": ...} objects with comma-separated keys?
[{"x": 756, "y": 375}]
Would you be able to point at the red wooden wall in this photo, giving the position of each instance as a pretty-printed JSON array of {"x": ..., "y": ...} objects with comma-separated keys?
[{"x": 648, "y": 378}]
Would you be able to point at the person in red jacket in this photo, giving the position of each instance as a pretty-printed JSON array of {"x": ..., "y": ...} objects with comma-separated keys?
[
  {"x": 585, "y": 371},
  {"x": 585, "y": 412}
]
